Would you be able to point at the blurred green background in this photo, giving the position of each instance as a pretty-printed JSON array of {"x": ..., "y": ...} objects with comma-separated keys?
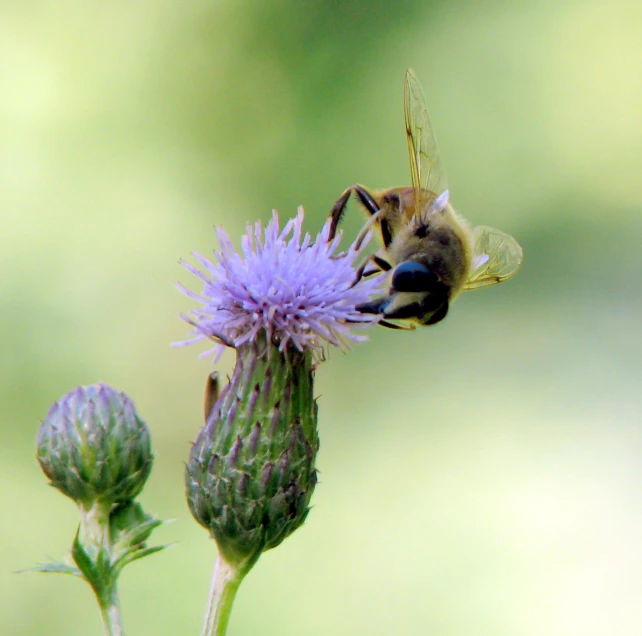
[{"x": 481, "y": 477}]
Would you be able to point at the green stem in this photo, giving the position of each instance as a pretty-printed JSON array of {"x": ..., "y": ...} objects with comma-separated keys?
[
  {"x": 225, "y": 583},
  {"x": 110, "y": 613},
  {"x": 95, "y": 539},
  {"x": 94, "y": 524}
]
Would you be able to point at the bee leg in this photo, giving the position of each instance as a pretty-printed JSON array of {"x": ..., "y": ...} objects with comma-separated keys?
[
  {"x": 382, "y": 263},
  {"x": 366, "y": 199},
  {"x": 431, "y": 310},
  {"x": 378, "y": 306},
  {"x": 392, "y": 325},
  {"x": 404, "y": 312},
  {"x": 360, "y": 273},
  {"x": 338, "y": 209},
  {"x": 375, "y": 306},
  {"x": 376, "y": 263},
  {"x": 369, "y": 272},
  {"x": 337, "y": 212},
  {"x": 211, "y": 393}
]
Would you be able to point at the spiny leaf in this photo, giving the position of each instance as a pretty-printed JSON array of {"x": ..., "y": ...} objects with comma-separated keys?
[{"x": 61, "y": 568}]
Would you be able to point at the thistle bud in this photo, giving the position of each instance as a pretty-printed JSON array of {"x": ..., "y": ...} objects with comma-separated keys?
[
  {"x": 251, "y": 471},
  {"x": 94, "y": 447}
]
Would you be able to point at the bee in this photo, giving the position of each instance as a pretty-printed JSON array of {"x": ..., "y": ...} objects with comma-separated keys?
[{"x": 430, "y": 251}]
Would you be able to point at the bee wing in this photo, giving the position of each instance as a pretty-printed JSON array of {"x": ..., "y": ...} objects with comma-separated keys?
[
  {"x": 426, "y": 168},
  {"x": 497, "y": 257}
]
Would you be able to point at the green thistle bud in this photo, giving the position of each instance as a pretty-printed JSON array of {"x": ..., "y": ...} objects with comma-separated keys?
[
  {"x": 94, "y": 447},
  {"x": 251, "y": 471}
]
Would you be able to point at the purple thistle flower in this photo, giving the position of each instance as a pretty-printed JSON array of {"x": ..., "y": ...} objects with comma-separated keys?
[{"x": 295, "y": 290}]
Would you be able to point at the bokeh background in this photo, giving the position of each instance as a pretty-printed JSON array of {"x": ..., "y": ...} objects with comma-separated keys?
[{"x": 482, "y": 477}]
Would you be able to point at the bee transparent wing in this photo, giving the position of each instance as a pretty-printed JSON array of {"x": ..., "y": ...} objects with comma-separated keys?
[
  {"x": 426, "y": 168},
  {"x": 497, "y": 257}
]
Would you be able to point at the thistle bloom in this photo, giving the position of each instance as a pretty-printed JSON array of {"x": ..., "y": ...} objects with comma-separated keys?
[
  {"x": 251, "y": 471},
  {"x": 295, "y": 291}
]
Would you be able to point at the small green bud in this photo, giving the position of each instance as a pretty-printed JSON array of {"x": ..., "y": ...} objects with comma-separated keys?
[
  {"x": 251, "y": 471},
  {"x": 94, "y": 447}
]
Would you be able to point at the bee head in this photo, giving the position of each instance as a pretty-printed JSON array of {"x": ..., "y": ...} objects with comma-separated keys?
[
  {"x": 416, "y": 294},
  {"x": 419, "y": 294}
]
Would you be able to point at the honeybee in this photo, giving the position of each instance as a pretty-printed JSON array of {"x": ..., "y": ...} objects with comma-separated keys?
[{"x": 431, "y": 252}]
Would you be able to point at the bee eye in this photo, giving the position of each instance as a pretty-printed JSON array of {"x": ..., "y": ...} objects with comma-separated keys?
[{"x": 414, "y": 277}]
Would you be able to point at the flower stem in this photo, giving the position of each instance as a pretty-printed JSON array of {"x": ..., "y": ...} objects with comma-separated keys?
[
  {"x": 225, "y": 583},
  {"x": 110, "y": 613},
  {"x": 96, "y": 540}
]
